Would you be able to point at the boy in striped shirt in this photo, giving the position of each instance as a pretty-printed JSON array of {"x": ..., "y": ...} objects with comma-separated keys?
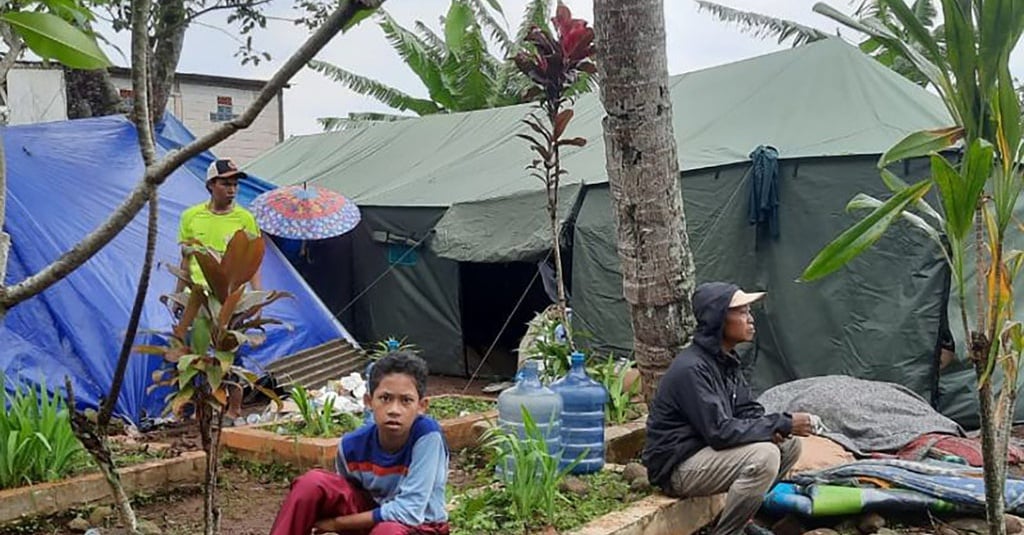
[{"x": 390, "y": 475}]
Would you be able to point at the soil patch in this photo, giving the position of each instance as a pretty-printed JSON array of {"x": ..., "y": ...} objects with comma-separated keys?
[{"x": 250, "y": 495}]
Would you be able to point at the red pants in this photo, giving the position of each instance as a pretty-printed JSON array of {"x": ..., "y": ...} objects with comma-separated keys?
[{"x": 319, "y": 494}]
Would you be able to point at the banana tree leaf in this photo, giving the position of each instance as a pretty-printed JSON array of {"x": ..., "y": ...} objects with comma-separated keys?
[
  {"x": 855, "y": 240},
  {"x": 456, "y": 25},
  {"x": 358, "y": 17},
  {"x": 920, "y": 144},
  {"x": 51, "y": 37},
  {"x": 912, "y": 25}
]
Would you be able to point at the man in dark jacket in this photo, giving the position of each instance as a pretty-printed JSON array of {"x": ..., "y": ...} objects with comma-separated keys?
[{"x": 705, "y": 433}]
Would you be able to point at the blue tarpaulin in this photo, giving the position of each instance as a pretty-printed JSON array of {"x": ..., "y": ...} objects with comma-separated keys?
[{"x": 63, "y": 180}]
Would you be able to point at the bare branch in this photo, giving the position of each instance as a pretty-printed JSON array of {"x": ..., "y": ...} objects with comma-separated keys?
[
  {"x": 216, "y": 7},
  {"x": 15, "y": 46},
  {"x": 158, "y": 173},
  {"x": 140, "y": 80}
]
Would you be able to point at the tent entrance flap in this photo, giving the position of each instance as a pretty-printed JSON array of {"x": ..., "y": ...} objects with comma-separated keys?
[
  {"x": 498, "y": 300},
  {"x": 503, "y": 229}
]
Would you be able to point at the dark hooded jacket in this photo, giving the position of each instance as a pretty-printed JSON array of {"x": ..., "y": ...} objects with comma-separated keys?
[{"x": 703, "y": 399}]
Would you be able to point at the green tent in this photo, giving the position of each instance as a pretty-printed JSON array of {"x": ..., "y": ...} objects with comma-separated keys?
[{"x": 454, "y": 227}]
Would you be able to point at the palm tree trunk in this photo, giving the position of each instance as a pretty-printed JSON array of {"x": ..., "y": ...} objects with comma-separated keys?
[{"x": 643, "y": 174}]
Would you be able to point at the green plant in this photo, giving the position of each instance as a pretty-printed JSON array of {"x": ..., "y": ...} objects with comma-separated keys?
[
  {"x": 612, "y": 373},
  {"x": 36, "y": 440},
  {"x": 217, "y": 320},
  {"x": 978, "y": 192},
  {"x": 548, "y": 344},
  {"x": 530, "y": 473},
  {"x": 390, "y": 344},
  {"x": 555, "y": 62},
  {"x": 321, "y": 421},
  {"x": 486, "y": 511}
]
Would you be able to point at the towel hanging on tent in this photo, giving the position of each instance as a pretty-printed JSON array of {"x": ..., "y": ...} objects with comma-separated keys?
[{"x": 763, "y": 206}]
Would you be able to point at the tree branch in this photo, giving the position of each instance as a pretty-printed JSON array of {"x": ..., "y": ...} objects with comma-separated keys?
[
  {"x": 140, "y": 50},
  {"x": 15, "y": 46},
  {"x": 156, "y": 174},
  {"x": 193, "y": 16},
  {"x": 140, "y": 81}
]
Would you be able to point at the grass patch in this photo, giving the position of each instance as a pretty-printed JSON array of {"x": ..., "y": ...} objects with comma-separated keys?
[
  {"x": 448, "y": 407},
  {"x": 487, "y": 511},
  {"x": 36, "y": 440}
]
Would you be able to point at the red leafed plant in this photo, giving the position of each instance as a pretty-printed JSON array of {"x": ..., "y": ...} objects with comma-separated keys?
[
  {"x": 555, "y": 64},
  {"x": 217, "y": 320}
]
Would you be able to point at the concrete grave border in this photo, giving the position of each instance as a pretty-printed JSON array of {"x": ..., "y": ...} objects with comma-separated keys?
[{"x": 55, "y": 497}]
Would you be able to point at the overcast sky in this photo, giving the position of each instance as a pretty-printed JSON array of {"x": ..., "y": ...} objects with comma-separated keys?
[{"x": 695, "y": 40}]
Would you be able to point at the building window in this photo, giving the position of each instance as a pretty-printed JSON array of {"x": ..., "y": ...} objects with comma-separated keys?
[{"x": 225, "y": 111}]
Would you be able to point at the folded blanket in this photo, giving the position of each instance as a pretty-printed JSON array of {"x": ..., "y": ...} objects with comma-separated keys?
[
  {"x": 863, "y": 416},
  {"x": 962, "y": 486}
]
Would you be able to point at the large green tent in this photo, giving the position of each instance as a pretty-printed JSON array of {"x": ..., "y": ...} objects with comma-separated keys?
[{"x": 454, "y": 226}]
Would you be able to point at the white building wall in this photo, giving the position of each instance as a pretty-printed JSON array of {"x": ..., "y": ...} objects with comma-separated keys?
[{"x": 194, "y": 103}]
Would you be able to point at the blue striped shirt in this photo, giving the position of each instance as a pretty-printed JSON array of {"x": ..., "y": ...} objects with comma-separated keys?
[{"x": 409, "y": 484}]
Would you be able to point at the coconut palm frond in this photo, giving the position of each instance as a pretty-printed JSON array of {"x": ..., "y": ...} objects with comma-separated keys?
[
  {"x": 387, "y": 95},
  {"x": 764, "y": 26}
]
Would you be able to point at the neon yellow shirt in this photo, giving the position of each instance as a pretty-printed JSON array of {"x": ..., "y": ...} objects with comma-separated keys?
[{"x": 212, "y": 230}]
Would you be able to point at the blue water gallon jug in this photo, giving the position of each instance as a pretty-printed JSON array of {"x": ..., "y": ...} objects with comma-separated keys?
[
  {"x": 544, "y": 406},
  {"x": 583, "y": 415}
]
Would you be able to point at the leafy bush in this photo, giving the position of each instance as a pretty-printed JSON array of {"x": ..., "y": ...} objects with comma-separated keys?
[
  {"x": 36, "y": 440},
  {"x": 620, "y": 406},
  {"x": 530, "y": 474}
]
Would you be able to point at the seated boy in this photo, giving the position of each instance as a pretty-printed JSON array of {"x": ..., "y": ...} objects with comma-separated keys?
[{"x": 391, "y": 474}]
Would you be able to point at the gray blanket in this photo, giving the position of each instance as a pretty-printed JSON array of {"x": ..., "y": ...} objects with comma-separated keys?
[{"x": 863, "y": 416}]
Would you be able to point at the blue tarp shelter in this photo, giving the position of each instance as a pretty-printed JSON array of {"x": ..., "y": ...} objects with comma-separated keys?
[{"x": 63, "y": 180}]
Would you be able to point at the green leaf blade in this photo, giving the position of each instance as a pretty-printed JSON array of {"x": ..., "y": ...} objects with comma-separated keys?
[
  {"x": 51, "y": 37},
  {"x": 855, "y": 240},
  {"x": 921, "y": 143}
]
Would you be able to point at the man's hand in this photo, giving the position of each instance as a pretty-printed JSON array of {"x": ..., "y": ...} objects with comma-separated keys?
[
  {"x": 327, "y": 525},
  {"x": 777, "y": 438},
  {"x": 802, "y": 426}
]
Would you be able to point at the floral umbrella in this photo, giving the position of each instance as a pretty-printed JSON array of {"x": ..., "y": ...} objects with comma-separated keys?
[{"x": 305, "y": 212}]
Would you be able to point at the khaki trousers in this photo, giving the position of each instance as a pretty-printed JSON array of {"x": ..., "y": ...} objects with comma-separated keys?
[{"x": 745, "y": 473}]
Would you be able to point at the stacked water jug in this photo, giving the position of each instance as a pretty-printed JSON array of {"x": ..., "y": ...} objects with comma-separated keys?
[{"x": 570, "y": 414}]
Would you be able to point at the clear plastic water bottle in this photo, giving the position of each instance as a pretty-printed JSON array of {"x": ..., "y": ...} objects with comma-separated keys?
[
  {"x": 544, "y": 406},
  {"x": 583, "y": 415}
]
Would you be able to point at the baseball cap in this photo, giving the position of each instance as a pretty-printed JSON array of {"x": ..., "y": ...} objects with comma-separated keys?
[
  {"x": 223, "y": 168},
  {"x": 740, "y": 298}
]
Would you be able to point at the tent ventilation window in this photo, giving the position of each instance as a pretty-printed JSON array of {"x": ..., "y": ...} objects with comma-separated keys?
[{"x": 401, "y": 249}]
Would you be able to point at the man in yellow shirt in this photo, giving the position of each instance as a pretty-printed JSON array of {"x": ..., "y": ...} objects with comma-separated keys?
[{"x": 213, "y": 223}]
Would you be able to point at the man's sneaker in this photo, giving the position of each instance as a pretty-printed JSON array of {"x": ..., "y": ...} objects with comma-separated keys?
[{"x": 754, "y": 529}]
